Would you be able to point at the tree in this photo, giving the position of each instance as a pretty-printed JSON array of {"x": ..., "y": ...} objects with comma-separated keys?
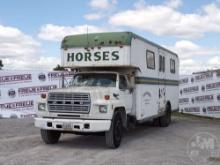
[
  {"x": 1, "y": 65},
  {"x": 59, "y": 68}
]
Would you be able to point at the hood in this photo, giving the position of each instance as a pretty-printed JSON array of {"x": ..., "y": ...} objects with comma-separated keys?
[{"x": 83, "y": 89}]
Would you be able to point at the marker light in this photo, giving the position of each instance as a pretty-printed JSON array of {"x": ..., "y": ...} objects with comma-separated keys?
[
  {"x": 43, "y": 95},
  {"x": 106, "y": 97}
]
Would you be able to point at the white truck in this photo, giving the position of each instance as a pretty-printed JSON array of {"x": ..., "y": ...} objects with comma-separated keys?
[{"x": 120, "y": 78}]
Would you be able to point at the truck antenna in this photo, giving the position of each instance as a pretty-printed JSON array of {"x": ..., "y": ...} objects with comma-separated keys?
[{"x": 87, "y": 35}]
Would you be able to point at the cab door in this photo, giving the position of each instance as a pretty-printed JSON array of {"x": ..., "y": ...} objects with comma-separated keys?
[
  {"x": 125, "y": 93},
  {"x": 162, "y": 82}
]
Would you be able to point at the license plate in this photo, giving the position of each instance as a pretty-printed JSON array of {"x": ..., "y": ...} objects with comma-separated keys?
[{"x": 67, "y": 126}]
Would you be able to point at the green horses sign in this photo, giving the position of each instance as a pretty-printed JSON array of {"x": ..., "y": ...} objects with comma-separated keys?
[
  {"x": 93, "y": 56},
  {"x": 104, "y": 56}
]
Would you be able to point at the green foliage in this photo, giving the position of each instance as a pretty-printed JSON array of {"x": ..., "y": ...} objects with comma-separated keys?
[{"x": 59, "y": 68}]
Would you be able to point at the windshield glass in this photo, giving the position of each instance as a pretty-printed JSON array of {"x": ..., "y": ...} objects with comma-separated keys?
[{"x": 94, "y": 79}]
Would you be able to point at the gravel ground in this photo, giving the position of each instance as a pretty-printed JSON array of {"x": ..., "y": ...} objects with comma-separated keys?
[{"x": 20, "y": 144}]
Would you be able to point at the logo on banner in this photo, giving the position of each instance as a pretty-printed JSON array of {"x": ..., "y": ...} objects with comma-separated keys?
[
  {"x": 11, "y": 93},
  {"x": 42, "y": 77}
]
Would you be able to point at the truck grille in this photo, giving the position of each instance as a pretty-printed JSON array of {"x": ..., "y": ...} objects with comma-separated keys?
[{"x": 69, "y": 102}]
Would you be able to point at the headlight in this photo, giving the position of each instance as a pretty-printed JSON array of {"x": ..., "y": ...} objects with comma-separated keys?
[
  {"x": 41, "y": 106},
  {"x": 103, "y": 108}
]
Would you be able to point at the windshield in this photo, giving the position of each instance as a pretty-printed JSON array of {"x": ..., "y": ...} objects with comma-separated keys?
[{"x": 94, "y": 79}]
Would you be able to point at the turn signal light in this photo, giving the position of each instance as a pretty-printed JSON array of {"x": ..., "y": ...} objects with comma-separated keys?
[
  {"x": 107, "y": 97},
  {"x": 43, "y": 95}
]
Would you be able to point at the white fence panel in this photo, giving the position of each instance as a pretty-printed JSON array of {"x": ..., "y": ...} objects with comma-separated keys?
[
  {"x": 199, "y": 94},
  {"x": 20, "y": 90}
]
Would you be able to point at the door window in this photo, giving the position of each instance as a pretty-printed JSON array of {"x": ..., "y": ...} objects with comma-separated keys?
[{"x": 123, "y": 83}]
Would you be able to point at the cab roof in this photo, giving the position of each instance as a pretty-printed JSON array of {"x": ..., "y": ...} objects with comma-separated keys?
[{"x": 103, "y": 39}]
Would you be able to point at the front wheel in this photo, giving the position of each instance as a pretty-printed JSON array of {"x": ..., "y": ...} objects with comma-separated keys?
[
  {"x": 114, "y": 135},
  {"x": 50, "y": 136}
]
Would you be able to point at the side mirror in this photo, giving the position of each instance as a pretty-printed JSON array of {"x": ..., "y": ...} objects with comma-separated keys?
[{"x": 131, "y": 89}]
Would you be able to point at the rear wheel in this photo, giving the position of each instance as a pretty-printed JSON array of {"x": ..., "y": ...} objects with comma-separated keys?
[
  {"x": 50, "y": 136},
  {"x": 156, "y": 122},
  {"x": 114, "y": 135},
  {"x": 165, "y": 120}
]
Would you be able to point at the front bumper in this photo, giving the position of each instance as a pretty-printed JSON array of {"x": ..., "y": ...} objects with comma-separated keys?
[{"x": 75, "y": 125}]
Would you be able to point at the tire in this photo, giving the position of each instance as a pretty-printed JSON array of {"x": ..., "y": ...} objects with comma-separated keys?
[
  {"x": 50, "y": 136},
  {"x": 165, "y": 120},
  {"x": 156, "y": 122},
  {"x": 114, "y": 135}
]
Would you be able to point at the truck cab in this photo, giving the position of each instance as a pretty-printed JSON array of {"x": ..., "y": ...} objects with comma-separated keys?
[{"x": 87, "y": 104}]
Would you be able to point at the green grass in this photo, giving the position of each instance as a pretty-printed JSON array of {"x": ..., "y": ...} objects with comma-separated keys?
[
  {"x": 179, "y": 114},
  {"x": 214, "y": 159}
]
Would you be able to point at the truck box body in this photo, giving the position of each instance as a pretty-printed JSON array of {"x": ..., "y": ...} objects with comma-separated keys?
[{"x": 125, "y": 49}]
